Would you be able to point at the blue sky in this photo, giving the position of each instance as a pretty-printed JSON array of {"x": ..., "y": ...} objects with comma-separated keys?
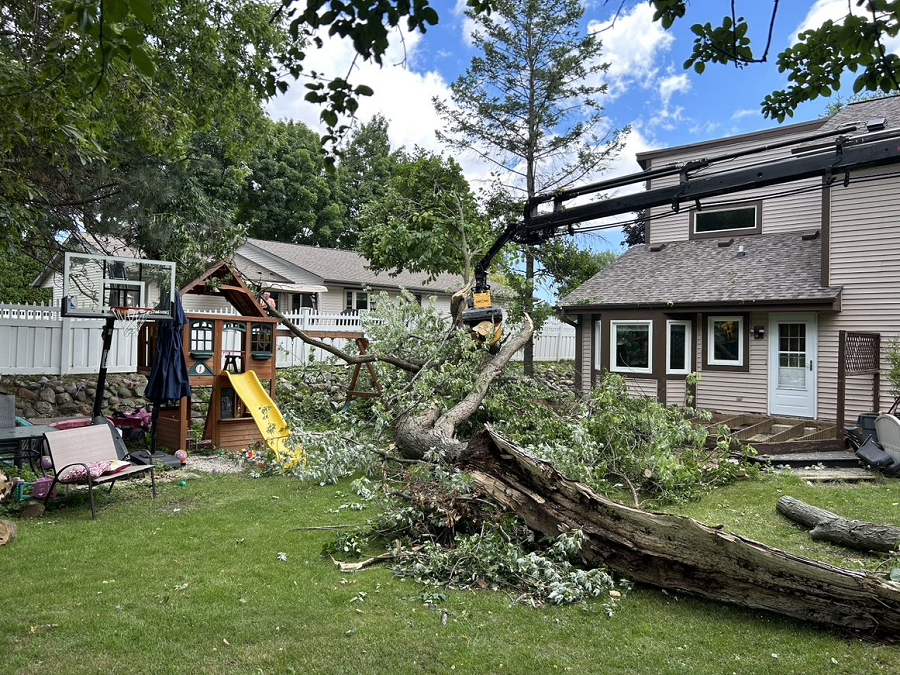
[{"x": 649, "y": 90}]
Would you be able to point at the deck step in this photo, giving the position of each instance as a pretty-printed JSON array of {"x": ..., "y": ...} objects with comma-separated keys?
[
  {"x": 832, "y": 458},
  {"x": 844, "y": 475}
]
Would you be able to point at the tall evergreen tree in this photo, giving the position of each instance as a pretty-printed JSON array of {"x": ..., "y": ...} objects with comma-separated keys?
[{"x": 528, "y": 103}]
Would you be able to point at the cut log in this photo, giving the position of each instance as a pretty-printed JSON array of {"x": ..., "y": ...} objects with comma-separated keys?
[
  {"x": 828, "y": 526},
  {"x": 679, "y": 553},
  {"x": 7, "y": 531}
]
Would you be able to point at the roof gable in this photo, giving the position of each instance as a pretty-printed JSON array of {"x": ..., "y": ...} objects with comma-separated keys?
[
  {"x": 222, "y": 279},
  {"x": 349, "y": 268}
]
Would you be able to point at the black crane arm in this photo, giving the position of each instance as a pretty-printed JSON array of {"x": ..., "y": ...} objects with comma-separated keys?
[{"x": 841, "y": 156}]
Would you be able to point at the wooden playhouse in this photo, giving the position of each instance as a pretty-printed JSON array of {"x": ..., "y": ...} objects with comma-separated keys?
[{"x": 216, "y": 346}]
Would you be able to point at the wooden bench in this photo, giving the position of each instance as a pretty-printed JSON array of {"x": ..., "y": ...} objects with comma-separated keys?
[{"x": 81, "y": 447}]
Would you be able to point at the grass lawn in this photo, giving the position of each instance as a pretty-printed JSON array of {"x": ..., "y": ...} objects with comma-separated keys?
[{"x": 191, "y": 582}]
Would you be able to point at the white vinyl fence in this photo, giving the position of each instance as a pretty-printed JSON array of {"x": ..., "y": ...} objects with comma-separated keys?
[{"x": 36, "y": 340}]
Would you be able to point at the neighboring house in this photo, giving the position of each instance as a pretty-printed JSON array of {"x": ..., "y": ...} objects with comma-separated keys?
[
  {"x": 330, "y": 280},
  {"x": 752, "y": 290},
  {"x": 51, "y": 277},
  {"x": 326, "y": 280}
]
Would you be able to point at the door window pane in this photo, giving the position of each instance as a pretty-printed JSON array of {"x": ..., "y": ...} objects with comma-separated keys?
[{"x": 792, "y": 356}]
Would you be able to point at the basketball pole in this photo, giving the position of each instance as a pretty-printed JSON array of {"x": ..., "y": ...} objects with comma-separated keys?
[{"x": 108, "y": 328}]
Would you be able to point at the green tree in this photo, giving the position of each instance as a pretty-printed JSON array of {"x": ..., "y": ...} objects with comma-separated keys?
[
  {"x": 818, "y": 61},
  {"x": 104, "y": 101},
  {"x": 288, "y": 196},
  {"x": 527, "y": 103},
  {"x": 17, "y": 270},
  {"x": 427, "y": 220},
  {"x": 568, "y": 266},
  {"x": 367, "y": 164}
]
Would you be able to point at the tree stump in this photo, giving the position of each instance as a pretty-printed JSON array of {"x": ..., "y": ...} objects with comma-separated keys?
[
  {"x": 828, "y": 526},
  {"x": 8, "y": 531},
  {"x": 679, "y": 553}
]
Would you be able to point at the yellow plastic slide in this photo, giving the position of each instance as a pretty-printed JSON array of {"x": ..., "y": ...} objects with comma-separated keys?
[{"x": 265, "y": 413}]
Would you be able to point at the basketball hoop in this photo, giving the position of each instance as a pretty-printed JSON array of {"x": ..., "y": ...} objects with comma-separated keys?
[{"x": 132, "y": 318}]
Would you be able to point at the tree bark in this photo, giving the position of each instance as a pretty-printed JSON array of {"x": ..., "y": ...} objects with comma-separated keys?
[
  {"x": 828, "y": 526},
  {"x": 679, "y": 553},
  {"x": 417, "y": 434}
]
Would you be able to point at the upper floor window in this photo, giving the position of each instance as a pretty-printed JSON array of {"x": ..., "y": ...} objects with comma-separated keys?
[{"x": 744, "y": 219}]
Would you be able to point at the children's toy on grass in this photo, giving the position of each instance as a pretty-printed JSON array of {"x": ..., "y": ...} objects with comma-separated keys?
[{"x": 181, "y": 456}]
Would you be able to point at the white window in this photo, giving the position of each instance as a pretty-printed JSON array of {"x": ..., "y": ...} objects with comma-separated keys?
[
  {"x": 725, "y": 341},
  {"x": 630, "y": 346},
  {"x": 678, "y": 347},
  {"x": 356, "y": 300},
  {"x": 598, "y": 344}
]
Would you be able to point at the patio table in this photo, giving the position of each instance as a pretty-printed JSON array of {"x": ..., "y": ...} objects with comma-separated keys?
[{"x": 27, "y": 440}]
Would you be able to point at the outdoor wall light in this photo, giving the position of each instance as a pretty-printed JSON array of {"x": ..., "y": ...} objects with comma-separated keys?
[{"x": 759, "y": 332}]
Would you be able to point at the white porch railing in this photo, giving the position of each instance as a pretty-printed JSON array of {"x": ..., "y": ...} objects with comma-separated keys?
[{"x": 36, "y": 340}]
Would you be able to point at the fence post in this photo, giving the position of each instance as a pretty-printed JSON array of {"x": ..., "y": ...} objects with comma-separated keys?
[{"x": 65, "y": 345}]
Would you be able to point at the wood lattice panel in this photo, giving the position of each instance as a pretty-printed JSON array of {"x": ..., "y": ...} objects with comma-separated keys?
[{"x": 861, "y": 353}]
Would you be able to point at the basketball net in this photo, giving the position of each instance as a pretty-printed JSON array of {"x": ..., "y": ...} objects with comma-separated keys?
[{"x": 131, "y": 318}]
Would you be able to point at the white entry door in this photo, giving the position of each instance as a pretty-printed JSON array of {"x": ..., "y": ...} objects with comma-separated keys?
[{"x": 792, "y": 365}]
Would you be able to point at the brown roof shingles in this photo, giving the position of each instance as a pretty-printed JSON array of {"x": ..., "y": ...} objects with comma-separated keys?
[{"x": 775, "y": 268}]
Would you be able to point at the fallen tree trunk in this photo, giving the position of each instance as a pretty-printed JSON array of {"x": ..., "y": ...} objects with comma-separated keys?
[
  {"x": 828, "y": 526},
  {"x": 417, "y": 434},
  {"x": 676, "y": 552}
]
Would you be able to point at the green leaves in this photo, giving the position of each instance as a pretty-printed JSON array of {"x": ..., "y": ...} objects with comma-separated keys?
[{"x": 815, "y": 64}]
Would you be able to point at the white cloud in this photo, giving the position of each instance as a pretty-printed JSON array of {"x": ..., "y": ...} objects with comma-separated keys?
[
  {"x": 468, "y": 26},
  {"x": 745, "y": 112},
  {"x": 819, "y": 13},
  {"x": 672, "y": 84},
  {"x": 402, "y": 95},
  {"x": 632, "y": 45}
]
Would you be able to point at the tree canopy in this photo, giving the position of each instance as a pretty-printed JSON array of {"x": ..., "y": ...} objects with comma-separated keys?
[
  {"x": 105, "y": 103},
  {"x": 426, "y": 220},
  {"x": 288, "y": 196}
]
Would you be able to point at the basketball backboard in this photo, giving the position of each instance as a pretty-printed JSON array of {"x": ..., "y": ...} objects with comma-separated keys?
[{"x": 94, "y": 283}]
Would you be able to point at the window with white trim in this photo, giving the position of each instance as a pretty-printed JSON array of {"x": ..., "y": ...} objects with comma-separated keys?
[
  {"x": 678, "y": 347},
  {"x": 598, "y": 344},
  {"x": 725, "y": 341},
  {"x": 356, "y": 300},
  {"x": 630, "y": 346}
]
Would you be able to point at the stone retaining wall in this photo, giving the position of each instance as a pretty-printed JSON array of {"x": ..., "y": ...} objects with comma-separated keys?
[{"x": 71, "y": 396}]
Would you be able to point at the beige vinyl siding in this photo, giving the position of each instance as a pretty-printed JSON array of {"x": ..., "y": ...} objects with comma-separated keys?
[
  {"x": 789, "y": 213},
  {"x": 865, "y": 262},
  {"x": 587, "y": 357},
  {"x": 675, "y": 392},
  {"x": 639, "y": 387},
  {"x": 722, "y": 391}
]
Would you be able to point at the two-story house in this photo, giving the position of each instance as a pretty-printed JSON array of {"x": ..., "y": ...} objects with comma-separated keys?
[{"x": 751, "y": 290}]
